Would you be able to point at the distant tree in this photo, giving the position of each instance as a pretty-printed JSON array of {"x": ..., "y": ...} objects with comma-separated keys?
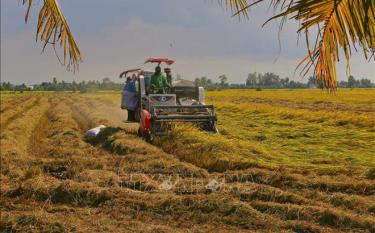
[
  {"x": 197, "y": 81},
  {"x": 223, "y": 80},
  {"x": 343, "y": 84},
  {"x": 74, "y": 86},
  {"x": 351, "y": 81},
  {"x": 284, "y": 82},
  {"x": 311, "y": 82},
  {"x": 6, "y": 86},
  {"x": 251, "y": 80},
  {"x": 204, "y": 82},
  {"x": 365, "y": 83},
  {"x": 271, "y": 80},
  {"x": 106, "y": 83}
]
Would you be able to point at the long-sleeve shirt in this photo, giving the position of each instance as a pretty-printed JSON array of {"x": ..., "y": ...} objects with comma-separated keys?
[
  {"x": 130, "y": 86},
  {"x": 158, "y": 81}
]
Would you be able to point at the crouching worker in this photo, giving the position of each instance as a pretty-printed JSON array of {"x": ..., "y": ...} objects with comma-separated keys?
[{"x": 129, "y": 99}]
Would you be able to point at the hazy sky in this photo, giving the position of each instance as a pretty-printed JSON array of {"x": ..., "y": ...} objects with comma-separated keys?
[{"x": 115, "y": 35}]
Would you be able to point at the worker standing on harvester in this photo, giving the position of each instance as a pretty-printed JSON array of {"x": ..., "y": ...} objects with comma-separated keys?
[
  {"x": 158, "y": 81},
  {"x": 168, "y": 73},
  {"x": 130, "y": 98}
]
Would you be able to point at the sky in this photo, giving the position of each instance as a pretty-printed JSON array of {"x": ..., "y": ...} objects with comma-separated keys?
[{"x": 115, "y": 35}]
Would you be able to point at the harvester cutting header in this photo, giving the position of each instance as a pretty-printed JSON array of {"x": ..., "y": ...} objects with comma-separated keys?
[{"x": 155, "y": 100}]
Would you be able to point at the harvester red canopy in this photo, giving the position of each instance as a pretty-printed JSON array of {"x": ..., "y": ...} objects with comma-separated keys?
[{"x": 160, "y": 60}]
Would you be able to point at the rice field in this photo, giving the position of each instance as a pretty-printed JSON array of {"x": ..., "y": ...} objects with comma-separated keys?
[{"x": 284, "y": 161}]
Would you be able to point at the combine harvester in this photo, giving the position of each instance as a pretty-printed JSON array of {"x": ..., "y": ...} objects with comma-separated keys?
[{"x": 157, "y": 108}]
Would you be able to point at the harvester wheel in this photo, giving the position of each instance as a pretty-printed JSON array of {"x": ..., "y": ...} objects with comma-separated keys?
[
  {"x": 210, "y": 127},
  {"x": 147, "y": 137}
]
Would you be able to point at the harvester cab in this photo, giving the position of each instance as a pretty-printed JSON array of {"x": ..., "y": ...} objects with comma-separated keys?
[{"x": 182, "y": 101}]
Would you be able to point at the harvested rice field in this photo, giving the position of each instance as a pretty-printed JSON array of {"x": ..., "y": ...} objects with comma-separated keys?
[{"x": 283, "y": 161}]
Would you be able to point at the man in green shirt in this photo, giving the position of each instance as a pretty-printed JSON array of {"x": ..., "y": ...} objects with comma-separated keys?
[{"x": 158, "y": 80}]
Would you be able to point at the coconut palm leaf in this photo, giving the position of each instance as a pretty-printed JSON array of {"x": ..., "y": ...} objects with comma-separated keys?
[
  {"x": 340, "y": 23},
  {"x": 239, "y": 7},
  {"x": 53, "y": 29}
]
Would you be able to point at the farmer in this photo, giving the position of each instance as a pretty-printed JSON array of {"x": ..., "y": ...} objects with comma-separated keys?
[
  {"x": 158, "y": 81},
  {"x": 169, "y": 76},
  {"x": 131, "y": 100},
  {"x": 130, "y": 84}
]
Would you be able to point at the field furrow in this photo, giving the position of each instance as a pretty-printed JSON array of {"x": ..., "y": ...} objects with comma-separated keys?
[
  {"x": 18, "y": 111},
  {"x": 9, "y": 102},
  {"x": 15, "y": 140}
]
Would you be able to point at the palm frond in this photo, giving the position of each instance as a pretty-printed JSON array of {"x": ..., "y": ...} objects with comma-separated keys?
[
  {"x": 345, "y": 23},
  {"x": 239, "y": 7},
  {"x": 340, "y": 23},
  {"x": 52, "y": 28}
]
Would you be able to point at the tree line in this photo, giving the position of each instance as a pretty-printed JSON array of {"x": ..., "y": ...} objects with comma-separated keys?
[
  {"x": 83, "y": 86},
  {"x": 253, "y": 81},
  {"x": 353, "y": 83},
  {"x": 271, "y": 80}
]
